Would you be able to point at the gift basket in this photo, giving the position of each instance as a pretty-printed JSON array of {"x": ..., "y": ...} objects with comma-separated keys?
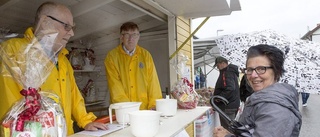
[
  {"x": 89, "y": 59},
  {"x": 82, "y": 55},
  {"x": 204, "y": 96},
  {"x": 183, "y": 89},
  {"x": 89, "y": 92},
  {"x": 38, "y": 113},
  {"x": 89, "y": 56},
  {"x": 76, "y": 59}
]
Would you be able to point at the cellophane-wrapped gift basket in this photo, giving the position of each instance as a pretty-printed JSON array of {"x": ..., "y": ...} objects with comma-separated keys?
[
  {"x": 38, "y": 113},
  {"x": 205, "y": 95},
  {"x": 183, "y": 89}
]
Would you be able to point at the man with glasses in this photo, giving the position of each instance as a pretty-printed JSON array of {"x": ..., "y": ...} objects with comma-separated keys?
[
  {"x": 227, "y": 86},
  {"x": 130, "y": 71},
  {"x": 51, "y": 18}
]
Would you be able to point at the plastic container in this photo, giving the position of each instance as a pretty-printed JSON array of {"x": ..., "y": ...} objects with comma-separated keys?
[
  {"x": 122, "y": 109},
  {"x": 144, "y": 123}
]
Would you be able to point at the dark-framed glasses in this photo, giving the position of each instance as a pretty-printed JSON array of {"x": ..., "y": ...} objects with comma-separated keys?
[
  {"x": 259, "y": 70},
  {"x": 67, "y": 27},
  {"x": 127, "y": 35}
]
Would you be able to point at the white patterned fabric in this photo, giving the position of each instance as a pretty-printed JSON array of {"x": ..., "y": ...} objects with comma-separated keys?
[{"x": 302, "y": 62}]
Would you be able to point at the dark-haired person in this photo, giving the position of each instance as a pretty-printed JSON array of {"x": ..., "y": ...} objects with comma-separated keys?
[
  {"x": 57, "y": 18},
  {"x": 272, "y": 110},
  {"x": 245, "y": 89},
  {"x": 227, "y": 86},
  {"x": 304, "y": 96},
  {"x": 130, "y": 71}
]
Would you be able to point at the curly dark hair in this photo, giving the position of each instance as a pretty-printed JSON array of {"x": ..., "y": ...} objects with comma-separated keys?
[{"x": 275, "y": 55}]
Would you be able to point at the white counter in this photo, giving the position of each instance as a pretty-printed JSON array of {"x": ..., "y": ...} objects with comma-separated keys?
[{"x": 170, "y": 125}]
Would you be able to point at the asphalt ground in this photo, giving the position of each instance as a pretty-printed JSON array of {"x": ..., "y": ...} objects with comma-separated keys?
[{"x": 310, "y": 116}]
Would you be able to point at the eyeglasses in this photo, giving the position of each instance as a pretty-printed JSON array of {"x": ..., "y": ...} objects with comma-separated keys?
[
  {"x": 259, "y": 70},
  {"x": 134, "y": 35},
  {"x": 67, "y": 27}
]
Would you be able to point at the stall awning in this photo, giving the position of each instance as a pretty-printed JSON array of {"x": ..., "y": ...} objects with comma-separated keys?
[
  {"x": 199, "y": 8},
  {"x": 205, "y": 51}
]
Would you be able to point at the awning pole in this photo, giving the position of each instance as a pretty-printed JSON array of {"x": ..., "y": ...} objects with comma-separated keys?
[{"x": 191, "y": 35}]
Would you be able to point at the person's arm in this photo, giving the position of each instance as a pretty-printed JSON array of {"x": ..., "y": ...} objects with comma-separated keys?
[
  {"x": 116, "y": 89},
  {"x": 243, "y": 89},
  {"x": 154, "y": 89},
  {"x": 9, "y": 88},
  {"x": 79, "y": 111},
  {"x": 273, "y": 120},
  {"x": 10, "y": 91}
]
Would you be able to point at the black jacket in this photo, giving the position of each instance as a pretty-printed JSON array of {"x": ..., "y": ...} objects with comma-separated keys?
[
  {"x": 227, "y": 86},
  {"x": 245, "y": 89}
]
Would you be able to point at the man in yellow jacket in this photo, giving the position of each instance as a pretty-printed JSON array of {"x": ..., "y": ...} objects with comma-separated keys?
[
  {"x": 50, "y": 16},
  {"x": 130, "y": 71}
]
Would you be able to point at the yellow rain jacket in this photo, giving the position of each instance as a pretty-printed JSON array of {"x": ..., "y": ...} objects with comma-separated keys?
[
  {"x": 132, "y": 78},
  {"x": 61, "y": 81}
]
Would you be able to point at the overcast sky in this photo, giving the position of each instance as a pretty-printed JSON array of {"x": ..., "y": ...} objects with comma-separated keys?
[{"x": 289, "y": 17}]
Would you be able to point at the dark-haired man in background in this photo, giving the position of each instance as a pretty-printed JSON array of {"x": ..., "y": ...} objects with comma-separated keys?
[{"x": 227, "y": 86}]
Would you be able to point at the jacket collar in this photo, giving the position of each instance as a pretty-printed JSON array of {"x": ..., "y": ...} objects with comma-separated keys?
[
  {"x": 137, "y": 50},
  {"x": 127, "y": 51},
  {"x": 28, "y": 34}
]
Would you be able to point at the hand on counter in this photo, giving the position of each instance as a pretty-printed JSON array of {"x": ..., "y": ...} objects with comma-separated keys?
[
  {"x": 153, "y": 108},
  {"x": 95, "y": 126},
  {"x": 220, "y": 132}
]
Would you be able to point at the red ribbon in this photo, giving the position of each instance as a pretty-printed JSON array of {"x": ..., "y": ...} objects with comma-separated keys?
[
  {"x": 32, "y": 106},
  {"x": 185, "y": 80}
]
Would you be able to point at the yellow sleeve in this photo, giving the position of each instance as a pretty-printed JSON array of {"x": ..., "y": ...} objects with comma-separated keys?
[
  {"x": 10, "y": 93},
  {"x": 117, "y": 93},
  {"x": 79, "y": 111},
  {"x": 154, "y": 89},
  {"x": 9, "y": 88}
]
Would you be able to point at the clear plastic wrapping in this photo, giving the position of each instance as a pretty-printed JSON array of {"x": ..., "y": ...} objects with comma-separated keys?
[
  {"x": 47, "y": 122},
  {"x": 37, "y": 113},
  {"x": 204, "y": 96},
  {"x": 183, "y": 90}
]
